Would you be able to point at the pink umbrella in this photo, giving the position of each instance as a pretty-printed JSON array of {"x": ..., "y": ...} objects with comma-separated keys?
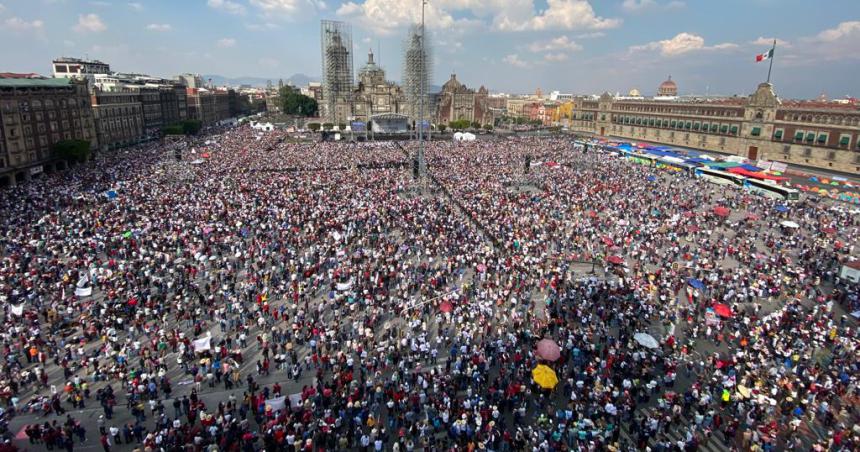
[
  {"x": 722, "y": 310},
  {"x": 446, "y": 307},
  {"x": 608, "y": 241},
  {"x": 721, "y": 211},
  {"x": 547, "y": 349}
]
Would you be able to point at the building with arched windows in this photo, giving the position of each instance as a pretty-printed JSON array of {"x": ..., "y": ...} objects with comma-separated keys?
[{"x": 818, "y": 134}]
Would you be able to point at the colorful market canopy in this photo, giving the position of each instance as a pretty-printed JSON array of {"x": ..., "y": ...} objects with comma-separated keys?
[{"x": 755, "y": 175}]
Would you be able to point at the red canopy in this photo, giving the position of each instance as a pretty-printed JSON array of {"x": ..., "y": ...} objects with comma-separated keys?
[
  {"x": 829, "y": 231},
  {"x": 755, "y": 174},
  {"x": 723, "y": 310},
  {"x": 617, "y": 260},
  {"x": 721, "y": 211},
  {"x": 446, "y": 306},
  {"x": 607, "y": 241}
]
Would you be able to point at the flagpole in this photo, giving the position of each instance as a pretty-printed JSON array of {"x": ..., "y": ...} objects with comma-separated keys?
[{"x": 772, "y": 54}]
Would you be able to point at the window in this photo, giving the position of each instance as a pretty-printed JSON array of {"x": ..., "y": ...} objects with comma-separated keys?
[
  {"x": 704, "y": 127},
  {"x": 734, "y": 130},
  {"x": 807, "y": 152},
  {"x": 673, "y": 123},
  {"x": 831, "y": 155},
  {"x": 786, "y": 149},
  {"x": 722, "y": 141},
  {"x": 724, "y": 128},
  {"x": 777, "y": 135},
  {"x": 810, "y": 137},
  {"x": 665, "y": 123},
  {"x": 844, "y": 140},
  {"x": 714, "y": 127},
  {"x": 822, "y": 138},
  {"x": 696, "y": 125},
  {"x": 798, "y": 136},
  {"x": 688, "y": 125},
  {"x": 756, "y": 131}
]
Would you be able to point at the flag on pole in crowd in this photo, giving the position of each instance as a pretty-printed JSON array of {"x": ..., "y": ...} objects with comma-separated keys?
[
  {"x": 764, "y": 56},
  {"x": 202, "y": 344}
]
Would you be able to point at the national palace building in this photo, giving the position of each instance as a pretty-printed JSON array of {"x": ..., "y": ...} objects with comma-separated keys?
[{"x": 824, "y": 135}]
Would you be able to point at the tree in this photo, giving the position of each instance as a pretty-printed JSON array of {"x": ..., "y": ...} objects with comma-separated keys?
[
  {"x": 488, "y": 127},
  {"x": 72, "y": 149},
  {"x": 476, "y": 125},
  {"x": 293, "y": 102},
  {"x": 459, "y": 124},
  {"x": 327, "y": 126},
  {"x": 442, "y": 127},
  {"x": 191, "y": 126},
  {"x": 314, "y": 126},
  {"x": 173, "y": 129},
  {"x": 341, "y": 126}
]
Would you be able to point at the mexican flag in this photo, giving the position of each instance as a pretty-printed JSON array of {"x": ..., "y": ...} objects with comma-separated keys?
[{"x": 764, "y": 56}]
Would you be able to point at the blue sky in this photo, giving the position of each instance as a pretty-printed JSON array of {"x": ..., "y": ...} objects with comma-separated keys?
[{"x": 579, "y": 46}]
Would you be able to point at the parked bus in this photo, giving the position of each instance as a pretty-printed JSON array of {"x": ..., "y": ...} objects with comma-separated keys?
[
  {"x": 772, "y": 189},
  {"x": 720, "y": 177}
]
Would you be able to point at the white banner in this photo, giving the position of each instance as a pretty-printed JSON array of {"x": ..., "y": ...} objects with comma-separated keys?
[
  {"x": 278, "y": 403},
  {"x": 203, "y": 344},
  {"x": 778, "y": 166},
  {"x": 344, "y": 286},
  {"x": 83, "y": 291},
  {"x": 18, "y": 309}
]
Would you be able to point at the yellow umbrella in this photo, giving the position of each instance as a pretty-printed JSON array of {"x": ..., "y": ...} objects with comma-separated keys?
[
  {"x": 544, "y": 376},
  {"x": 743, "y": 391}
]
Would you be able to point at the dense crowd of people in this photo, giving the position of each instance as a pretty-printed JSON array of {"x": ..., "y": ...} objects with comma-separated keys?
[{"x": 266, "y": 294}]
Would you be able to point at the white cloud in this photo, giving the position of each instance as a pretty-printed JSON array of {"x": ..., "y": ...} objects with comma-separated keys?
[
  {"x": 277, "y": 6},
  {"x": 18, "y": 24},
  {"x": 159, "y": 27},
  {"x": 227, "y": 6},
  {"x": 635, "y": 6},
  {"x": 555, "y": 57},
  {"x": 591, "y": 35},
  {"x": 562, "y": 43},
  {"x": 135, "y": 6},
  {"x": 90, "y": 23},
  {"x": 385, "y": 16},
  {"x": 762, "y": 41},
  {"x": 226, "y": 42},
  {"x": 261, "y": 26},
  {"x": 514, "y": 60},
  {"x": 563, "y": 15},
  {"x": 2, "y": 8},
  {"x": 843, "y": 30},
  {"x": 680, "y": 44}
]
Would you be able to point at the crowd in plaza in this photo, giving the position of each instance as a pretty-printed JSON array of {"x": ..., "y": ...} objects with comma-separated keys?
[{"x": 266, "y": 294}]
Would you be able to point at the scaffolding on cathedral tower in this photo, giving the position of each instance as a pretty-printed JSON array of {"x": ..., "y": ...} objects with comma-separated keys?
[
  {"x": 417, "y": 69},
  {"x": 336, "y": 40}
]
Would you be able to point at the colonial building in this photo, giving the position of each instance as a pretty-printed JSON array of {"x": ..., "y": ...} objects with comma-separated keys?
[
  {"x": 119, "y": 117},
  {"x": 77, "y": 68},
  {"x": 208, "y": 106},
  {"x": 456, "y": 101},
  {"x": 35, "y": 114},
  {"x": 374, "y": 95},
  {"x": 759, "y": 127}
]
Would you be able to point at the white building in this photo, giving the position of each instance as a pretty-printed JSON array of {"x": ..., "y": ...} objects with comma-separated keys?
[{"x": 65, "y": 67}]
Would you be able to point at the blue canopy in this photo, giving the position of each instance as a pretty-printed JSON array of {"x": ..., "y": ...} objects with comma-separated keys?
[
  {"x": 751, "y": 168},
  {"x": 111, "y": 194},
  {"x": 651, "y": 178},
  {"x": 781, "y": 208},
  {"x": 696, "y": 283}
]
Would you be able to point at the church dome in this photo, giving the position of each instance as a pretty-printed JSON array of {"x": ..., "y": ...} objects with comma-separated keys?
[
  {"x": 634, "y": 93},
  {"x": 668, "y": 88}
]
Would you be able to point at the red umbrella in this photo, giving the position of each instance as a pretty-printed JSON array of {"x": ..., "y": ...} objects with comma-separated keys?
[
  {"x": 721, "y": 211},
  {"x": 723, "y": 310},
  {"x": 617, "y": 260},
  {"x": 592, "y": 214},
  {"x": 608, "y": 241},
  {"x": 829, "y": 231},
  {"x": 132, "y": 302},
  {"x": 547, "y": 349},
  {"x": 205, "y": 155},
  {"x": 446, "y": 307}
]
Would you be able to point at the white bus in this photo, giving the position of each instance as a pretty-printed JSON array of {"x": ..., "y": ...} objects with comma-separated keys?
[
  {"x": 772, "y": 189},
  {"x": 720, "y": 177}
]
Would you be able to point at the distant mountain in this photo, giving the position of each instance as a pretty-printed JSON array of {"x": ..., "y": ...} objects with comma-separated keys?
[{"x": 260, "y": 82}]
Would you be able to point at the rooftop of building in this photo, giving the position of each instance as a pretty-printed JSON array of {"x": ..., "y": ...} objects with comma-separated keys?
[
  {"x": 76, "y": 60},
  {"x": 27, "y": 82}
]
